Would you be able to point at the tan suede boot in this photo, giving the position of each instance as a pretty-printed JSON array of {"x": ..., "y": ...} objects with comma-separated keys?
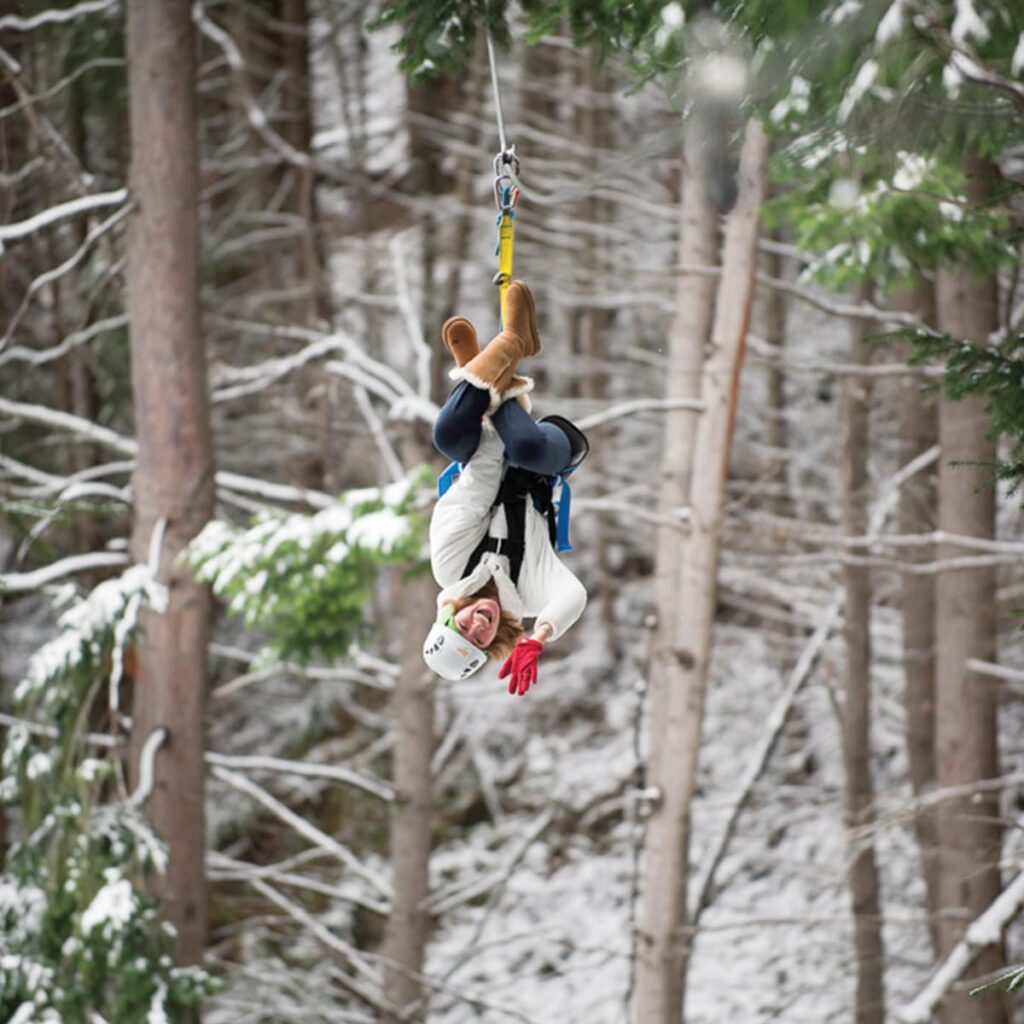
[
  {"x": 459, "y": 337},
  {"x": 493, "y": 368}
]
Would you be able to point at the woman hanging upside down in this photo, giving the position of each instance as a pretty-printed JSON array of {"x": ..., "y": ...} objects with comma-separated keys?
[{"x": 492, "y": 535}]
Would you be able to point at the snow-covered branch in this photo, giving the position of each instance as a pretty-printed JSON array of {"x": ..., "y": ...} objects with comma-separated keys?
[
  {"x": 622, "y": 410},
  {"x": 22, "y": 582},
  {"x": 303, "y": 827},
  {"x": 15, "y": 23},
  {"x": 847, "y": 310},
  {"x": 359, "y": 989},
  {"x": 780, "y": 712},
  {"x": 49, "y": 276},
  {"x": 333, "y": 773},
  {"x": 38, "y": 357},
  {"x": 147, "y": 767},
  {"x": 767, "y": 353},
  {"x": 126, "y": 446},
  {"x": 986, "y": 930},
  {"x": 62, "y": 211}
]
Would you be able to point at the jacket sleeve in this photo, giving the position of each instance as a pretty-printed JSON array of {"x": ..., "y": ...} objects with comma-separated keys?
[
  {"x": 566, "y": 596},
  {"x": 461, "y": 518}
]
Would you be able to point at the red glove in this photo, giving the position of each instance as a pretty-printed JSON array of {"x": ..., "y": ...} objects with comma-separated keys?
[{"x": 521, "y": 665}]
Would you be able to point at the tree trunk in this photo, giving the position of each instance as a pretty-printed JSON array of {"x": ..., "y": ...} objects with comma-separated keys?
[
  {"x": 775, "y": 432},
  {"x": 411, "y": 814},
  {"x": 298, "y": 130},
  {"x": 173, "y": 475},
  {"x": 918, "y": 431},
  {"x": 965, "y": 722},
  {"x": 677, "y": 712},
  {"x": 590, "y": 326},
  {"x": 432, "y": 99},
  {"x": 867, "y": 922}
]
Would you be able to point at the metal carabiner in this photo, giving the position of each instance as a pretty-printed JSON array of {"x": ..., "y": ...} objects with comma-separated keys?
[{"x": 506, "y": 169}]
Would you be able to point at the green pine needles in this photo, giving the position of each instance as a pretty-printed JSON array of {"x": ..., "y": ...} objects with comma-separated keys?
[
  {"x": 80, "y": 933},
  {"x": 80, "y": 936},
  {"x": 994, "y": 371},
  {"x": 305, "y": 581}
]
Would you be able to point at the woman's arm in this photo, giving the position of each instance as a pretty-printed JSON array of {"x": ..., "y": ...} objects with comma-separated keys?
[
  {"x": 566, "y": 599},
  {"x": 462, "y": 516},
  {"x": 542, "y": 632}
]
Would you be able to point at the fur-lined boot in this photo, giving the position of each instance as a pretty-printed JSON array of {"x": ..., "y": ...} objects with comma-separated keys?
[{"x": 493, "y": 368}]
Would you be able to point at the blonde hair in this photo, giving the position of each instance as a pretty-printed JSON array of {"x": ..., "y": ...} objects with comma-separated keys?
[{"x": 510, "y": 629}]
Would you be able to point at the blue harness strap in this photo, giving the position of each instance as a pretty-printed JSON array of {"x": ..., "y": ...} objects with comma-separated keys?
[
  {"x": 562, "y": 500},
  {"x": 447, "y": 478}
]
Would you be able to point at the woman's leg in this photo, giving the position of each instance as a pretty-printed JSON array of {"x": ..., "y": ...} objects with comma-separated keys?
[
  {"x": 539, "y": 447},
  {"x": 457, "y": 427}
]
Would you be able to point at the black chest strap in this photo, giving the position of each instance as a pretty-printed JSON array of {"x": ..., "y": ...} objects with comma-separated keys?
[{"x": 517, "y": 486}]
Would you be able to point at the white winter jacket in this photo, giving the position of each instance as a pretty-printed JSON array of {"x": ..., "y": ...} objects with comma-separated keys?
[{"x": 547, "y": 590}]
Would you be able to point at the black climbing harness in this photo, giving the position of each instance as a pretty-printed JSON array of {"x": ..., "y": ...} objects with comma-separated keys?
[
  {"x": 551, "y": 496},
  {"x": 516, "y": 487}
]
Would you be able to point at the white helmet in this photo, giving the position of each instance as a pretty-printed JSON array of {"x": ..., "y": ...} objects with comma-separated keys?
[{"x": 448, "y": 653}]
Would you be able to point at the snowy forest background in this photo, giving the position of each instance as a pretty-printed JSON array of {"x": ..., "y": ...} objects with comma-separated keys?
[{"x": 238, "y": 788}]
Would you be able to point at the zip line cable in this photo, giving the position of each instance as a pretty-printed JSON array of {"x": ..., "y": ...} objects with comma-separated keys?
[
  {"x": 506, "y": 164},
  {"x": 497, "y": 93}
]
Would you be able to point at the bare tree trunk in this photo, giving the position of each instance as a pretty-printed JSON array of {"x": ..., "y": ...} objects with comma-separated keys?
[
  {"x": 411, "y": 815},
  {"x": 590, "y": 327},
  {"x": 965, "y": 722},
  {"x": 313, "y": 308},
  {"x": 694, "y": 308},
  {"x": 775, "y": 432},
  {"x": 867, "y": 922},
  {"x": 173, "y": 475},
  {"x": 432, "y": 99},
  {"x": 298, "y": 130},
  {"x": 918, "y": 431},
  {"x": 677, "y": 714}
]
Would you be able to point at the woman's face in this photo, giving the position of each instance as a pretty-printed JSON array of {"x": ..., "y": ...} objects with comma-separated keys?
[{"x": 478, "y": 622}]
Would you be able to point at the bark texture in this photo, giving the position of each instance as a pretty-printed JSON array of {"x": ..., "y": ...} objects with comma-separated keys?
[
  {"x": 965, "y": 723},
  {"x": 918, "y": 431},
  {"x": 411, "y": 817},
  {"x": 173, "y": 475},
  {"x": 681, "y": 679},
  {"x": 775, "y": 431},
  {"x": 411, "y": 836},
  {"x": 869, "y": 1007}
]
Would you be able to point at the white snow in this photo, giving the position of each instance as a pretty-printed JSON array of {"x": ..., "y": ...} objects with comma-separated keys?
[
  {"x": 673, "y": 17},
  {"x": 844, "y": 194},
  {"x": 951, "y": 212},
  {"x": 722, "y": 76},
  {"x": 892, "y": 22},
  {"x": 968, "y": 23},
  {"x": 112, "y": 906},
  {"x": 39, "y": 764},
  {"x": 1017, "y": 62},
  {"x": 845, "y": 11},
  {"x": 862, "y": 82},
  {"x": 796, "y": 102},
  {"x": 911, "y": 170},
  {"x": 84, "y": 625},
  {"x": 952, "y": 80},
  {"x": 157, "y": 1013}
]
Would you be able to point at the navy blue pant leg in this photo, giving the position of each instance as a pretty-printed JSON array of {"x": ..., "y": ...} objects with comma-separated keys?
[
  {"x": 541, "y": 448},
  {"x": 457, "y": 427}
]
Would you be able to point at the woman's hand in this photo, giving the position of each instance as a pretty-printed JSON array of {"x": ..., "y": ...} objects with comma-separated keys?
[{"x": 521, "y": 665}]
